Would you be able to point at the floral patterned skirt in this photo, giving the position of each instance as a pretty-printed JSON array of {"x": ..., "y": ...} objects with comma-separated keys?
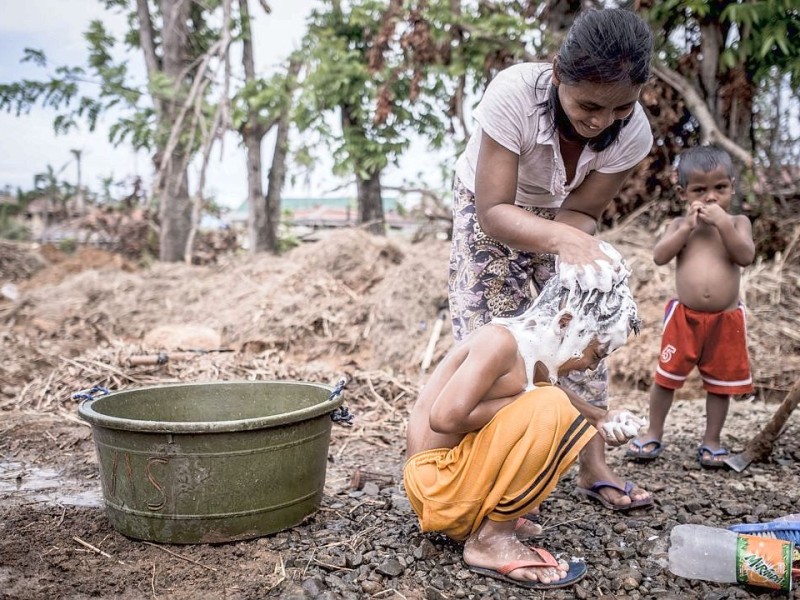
[{"x": 489, "y": 279}]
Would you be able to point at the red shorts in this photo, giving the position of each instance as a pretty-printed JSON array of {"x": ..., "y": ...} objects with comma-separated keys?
[{"x": 715, "y": 342}]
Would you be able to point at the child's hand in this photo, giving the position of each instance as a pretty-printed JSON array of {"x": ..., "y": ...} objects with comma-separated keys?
[
  {"x": 712, "y": 214},
  {"x": 620, "y": 426},
  {"x": 692, "y": 214}
]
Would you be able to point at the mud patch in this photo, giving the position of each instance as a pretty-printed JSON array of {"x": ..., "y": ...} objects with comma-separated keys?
[{"x": 23, "y": 484}]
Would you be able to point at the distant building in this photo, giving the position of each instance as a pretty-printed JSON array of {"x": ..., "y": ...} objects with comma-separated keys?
[
  {"x": 325, "y": 213},
  {"x": 48, "y": 219}
]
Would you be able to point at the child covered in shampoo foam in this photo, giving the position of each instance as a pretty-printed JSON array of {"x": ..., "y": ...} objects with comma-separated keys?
[
  {"x": 490, "y": 433},
  {"x": 705, "y": 325}
]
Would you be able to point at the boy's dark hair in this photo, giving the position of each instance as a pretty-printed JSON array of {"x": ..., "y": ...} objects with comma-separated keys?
[
  {"x": 610, "y": 45},
  {"x": 702, "y": 159}
]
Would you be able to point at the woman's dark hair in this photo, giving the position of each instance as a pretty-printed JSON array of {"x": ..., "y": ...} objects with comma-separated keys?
[
  {"x": 610, "y": 45},
  {"x": 703, "y": 159},
  {"x": 606, "y": 46}
]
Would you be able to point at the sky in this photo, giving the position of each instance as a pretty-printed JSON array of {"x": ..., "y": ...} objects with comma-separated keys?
[{"x": 28, "y": 144}]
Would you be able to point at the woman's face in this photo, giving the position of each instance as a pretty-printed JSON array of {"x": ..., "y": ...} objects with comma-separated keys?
[{"x": 593, "y": 107}]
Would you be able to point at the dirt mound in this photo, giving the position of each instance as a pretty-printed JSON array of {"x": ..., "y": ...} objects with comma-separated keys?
[
  {"x": 19, "y": 261},
  {"x": 61, "y": 264},
  {"x": 352, "y": 302}
]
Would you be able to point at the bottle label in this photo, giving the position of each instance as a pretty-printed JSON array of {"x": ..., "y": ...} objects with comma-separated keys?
[{"x": 764, "y": 562}]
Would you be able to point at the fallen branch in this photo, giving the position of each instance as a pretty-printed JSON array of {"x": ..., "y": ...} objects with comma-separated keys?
[
  {"x": 176, "y": 555},
  {"x": 95, "y": 549},
  {"x": 761, "y": 445},
  {"x": 697, "y": 106},
  {"x": 427, "y": 358}
]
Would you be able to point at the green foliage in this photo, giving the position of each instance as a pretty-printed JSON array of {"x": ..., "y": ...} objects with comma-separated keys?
[
  {"x": 390, "y": 76},
  {"x": 758, "y": 34},
  {"x": 286, "y": 239},
  {"x": 138, "y": 128},
  {"x": 83, "y": 94},
  {"x": 11, "y": 227},
  {"x": 339, "y": 78},
  {"x": 265, "y": 97},
  {"x": 61, "y": 90},
  {"x": 35, "y": 56},
  {"x": 68, "y": 245},
  {"x": 769, "y": 37}
]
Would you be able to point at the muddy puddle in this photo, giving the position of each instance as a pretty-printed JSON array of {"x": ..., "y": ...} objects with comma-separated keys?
[{"x": 22, "y": 484}]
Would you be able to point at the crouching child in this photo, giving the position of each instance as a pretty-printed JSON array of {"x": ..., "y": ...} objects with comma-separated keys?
[{"x": 491, "y": 433}]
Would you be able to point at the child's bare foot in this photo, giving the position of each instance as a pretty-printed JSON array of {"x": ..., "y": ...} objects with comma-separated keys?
[
  {"x": 525, "y": 529},
  {"x": 712, "y": 457},
  {"x": 495, "y": 547},
  {"x": 645, "y": 448},
  {"x": 527, "y": 526},
  {"x": 615, "y": 492}
]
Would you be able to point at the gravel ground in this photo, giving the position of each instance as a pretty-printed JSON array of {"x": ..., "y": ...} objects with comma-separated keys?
[{"x": 365, "y": 543}]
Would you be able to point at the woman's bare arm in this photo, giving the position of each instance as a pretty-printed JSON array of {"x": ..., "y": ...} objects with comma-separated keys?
[
  {"x": 495, "y": 192},
  {"x": 584, "y": 206}
]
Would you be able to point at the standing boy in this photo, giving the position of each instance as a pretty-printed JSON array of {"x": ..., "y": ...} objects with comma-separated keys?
[
  {"x": 490, "y": 435},
  {"x": 705, "y": 325}
]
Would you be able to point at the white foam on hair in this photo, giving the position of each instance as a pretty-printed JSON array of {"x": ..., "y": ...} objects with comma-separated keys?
[
  {"x": 586, "y": 277},
  {"x": 607, "y": 315}
]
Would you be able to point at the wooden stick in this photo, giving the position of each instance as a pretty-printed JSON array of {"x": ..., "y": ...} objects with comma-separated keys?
[
  {"x": 175, "y": 554},
  {"x": 160, "y": 359},
  {"x": 761, "y": 445},
  {"x": 362, "y": 476},
  {"x": 95, "y": 549},
  {"x": 435, "y": 334},
  {"x": 280, "y": 572}
]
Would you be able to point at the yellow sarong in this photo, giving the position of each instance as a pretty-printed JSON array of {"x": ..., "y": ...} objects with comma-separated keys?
[{"x": 501, "y": 471}]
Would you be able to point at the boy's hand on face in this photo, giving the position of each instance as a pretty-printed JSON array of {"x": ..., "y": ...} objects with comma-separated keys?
[
  {"x": 619, "y": 427},
  {"x": 712, "y": 214},
  {"x": 691, "y": 215}
]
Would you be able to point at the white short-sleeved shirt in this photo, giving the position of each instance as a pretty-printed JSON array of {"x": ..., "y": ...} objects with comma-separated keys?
[{"x": 511, "y": 113}]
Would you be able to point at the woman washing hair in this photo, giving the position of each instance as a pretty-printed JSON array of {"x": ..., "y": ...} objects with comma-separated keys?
[{"x": 553, "y": 146}]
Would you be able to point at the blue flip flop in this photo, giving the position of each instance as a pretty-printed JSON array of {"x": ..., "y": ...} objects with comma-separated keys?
[
  {"x": 643, "y": 455},
  {"x": 593, "y": 493},
  {"x": 710, "y": 463},
  {"x": 576, "y": 572}
]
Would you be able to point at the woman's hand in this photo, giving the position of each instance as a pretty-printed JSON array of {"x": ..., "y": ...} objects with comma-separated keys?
[{"x": 588, "y": 263}]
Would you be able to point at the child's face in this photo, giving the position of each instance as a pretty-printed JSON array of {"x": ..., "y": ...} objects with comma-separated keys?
[
  {"x": 591, "y": 357},
  {"x": 708, "y": 187}
]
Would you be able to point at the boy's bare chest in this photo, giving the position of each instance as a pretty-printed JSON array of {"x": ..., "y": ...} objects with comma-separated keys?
[
  {"x": 705, "y": 270},
  {"x": 705, "y": 243}
]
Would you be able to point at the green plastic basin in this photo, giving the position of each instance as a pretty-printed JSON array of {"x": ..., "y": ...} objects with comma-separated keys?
[{"x": 211, "y": 462}]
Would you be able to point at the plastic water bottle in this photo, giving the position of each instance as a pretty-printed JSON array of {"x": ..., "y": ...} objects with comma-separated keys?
[
  {"x": 723, "y": 556},
  {"x": 700, "y": 552}
]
